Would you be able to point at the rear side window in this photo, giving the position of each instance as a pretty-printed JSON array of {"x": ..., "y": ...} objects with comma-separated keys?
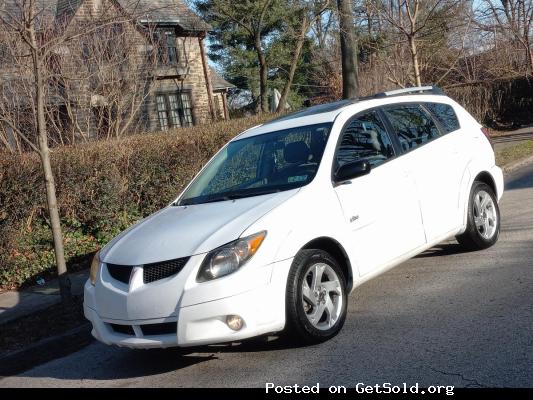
[
  {"x": 445, "y": 114},
  {"x": 412, "y": 124}
]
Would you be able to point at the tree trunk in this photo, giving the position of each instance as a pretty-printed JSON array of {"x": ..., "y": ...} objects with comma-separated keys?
[
  {"x": 44, "y": 152},
  {"x": 414, "y": 57},
  {"x": 263, "y": 75},
  {"x": 529, "y": 57},
  {"x": 294, "y": 64},
  {"x": 348, "y": 50},
  {"x": 207, "y": 76}
]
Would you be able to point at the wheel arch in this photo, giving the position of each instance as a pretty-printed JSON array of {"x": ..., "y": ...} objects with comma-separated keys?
[
  {"x": 481, "y": 176},
  {"x": 337, "y": 251},
  {"x": 487, "y": 178}
]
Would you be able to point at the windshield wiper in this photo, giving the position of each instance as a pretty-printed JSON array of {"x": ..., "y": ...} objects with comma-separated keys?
[
  {"x": 225, "y": 196},
  {"x": 239, "y": 194},
  {"x": 199, "y": 200}
]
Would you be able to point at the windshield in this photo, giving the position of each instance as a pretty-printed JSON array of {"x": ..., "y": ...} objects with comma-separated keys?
[{"x": 262, "y": 164}]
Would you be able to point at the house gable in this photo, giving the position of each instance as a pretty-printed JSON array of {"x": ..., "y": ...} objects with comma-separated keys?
[{"x": 158, "y": 12}]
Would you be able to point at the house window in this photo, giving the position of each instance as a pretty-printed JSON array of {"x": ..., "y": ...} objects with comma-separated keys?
[
  {"x": 174, "y": 110},
  {"x": 168, "y": 52},
  {"x": 172, "y": 53}
]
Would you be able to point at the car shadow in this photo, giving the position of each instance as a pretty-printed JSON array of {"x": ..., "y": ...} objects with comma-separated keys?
[
  {"x": 443, "y": 249},
  {"x": 122, "y": 363},
  {"x": 522, "y": 179}
]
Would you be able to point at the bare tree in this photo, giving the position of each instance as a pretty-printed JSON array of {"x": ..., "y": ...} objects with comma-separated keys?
[
  {"x": 255, "y": 19},
  {"x": 326, "y": 77},
  {"x": 305, "y": 13},
  {"x": 103, "y": 80},
  {"x": 35, "y": 31},
  {"x": 511, "y": 19},
  {"x": 42, "y": 63},
  {"x": 413, "y": 20},
  {"x": 348, "y": 49}
]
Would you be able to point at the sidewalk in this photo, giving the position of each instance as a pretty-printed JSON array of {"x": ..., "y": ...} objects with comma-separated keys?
[
  {"x": 14, "y": 304},
  {"x": 507, "y": 139}
]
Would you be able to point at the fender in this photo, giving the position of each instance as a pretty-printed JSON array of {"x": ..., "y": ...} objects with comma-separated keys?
[
  {"x": 472, "y": 172},
  {"x": 300, "y": 241},
  {"x": 307, "y": 225},
  {"x": 464, "y": 195}
]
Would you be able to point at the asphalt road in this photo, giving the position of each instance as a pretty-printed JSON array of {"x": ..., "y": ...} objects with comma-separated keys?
[{"x": 443, "y": 318}]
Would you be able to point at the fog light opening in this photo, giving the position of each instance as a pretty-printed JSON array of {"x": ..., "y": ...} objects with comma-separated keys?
[{"x": 234, "y": 322}]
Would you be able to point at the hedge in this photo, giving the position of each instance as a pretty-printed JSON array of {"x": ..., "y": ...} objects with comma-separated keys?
[{"x": 102, "y": 188}]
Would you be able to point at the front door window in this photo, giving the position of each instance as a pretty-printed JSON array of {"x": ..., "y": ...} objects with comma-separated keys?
[{"x": 365, "y": 138}]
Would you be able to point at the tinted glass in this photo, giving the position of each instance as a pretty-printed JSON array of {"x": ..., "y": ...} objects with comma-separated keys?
[
  {"x": 412, "y": 124},
  {"x": 445, "y": 114},
  {"x": 365, "y": 139},
  {"x": 261, "y": 164}
]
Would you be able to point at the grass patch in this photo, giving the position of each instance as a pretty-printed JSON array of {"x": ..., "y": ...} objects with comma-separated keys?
[{"x": 514, "y": 153}]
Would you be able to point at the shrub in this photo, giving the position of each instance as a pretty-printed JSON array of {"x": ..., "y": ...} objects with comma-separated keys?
[{"x": 102, "y": 188}]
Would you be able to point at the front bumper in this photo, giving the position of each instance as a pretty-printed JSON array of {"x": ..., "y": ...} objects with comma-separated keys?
[{"x": 262, "y": 309}]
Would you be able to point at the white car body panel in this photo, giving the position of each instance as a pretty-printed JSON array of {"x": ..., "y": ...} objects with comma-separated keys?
[
  {"x": 181, "y": 231},
  {"x": 403, "y": 207},
  {"x": 374, "y": 219}
]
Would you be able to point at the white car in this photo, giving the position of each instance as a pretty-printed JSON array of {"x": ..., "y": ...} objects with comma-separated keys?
[{"x": 291, "y": 216}]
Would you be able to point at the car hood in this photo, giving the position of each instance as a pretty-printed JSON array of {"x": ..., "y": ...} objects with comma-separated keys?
[{"x": 182, "y": 231}]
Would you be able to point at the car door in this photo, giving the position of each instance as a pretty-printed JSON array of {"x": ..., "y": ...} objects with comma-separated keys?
[
  {"x": 380, "y": 208},
  {"x": 459, "y": 143},
  {"x": 431, "y": 159}
]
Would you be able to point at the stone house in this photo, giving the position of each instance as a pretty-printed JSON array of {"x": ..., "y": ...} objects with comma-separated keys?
[
  {"x": 186, "y": 90},
  {"x": 178, "y": 90}
]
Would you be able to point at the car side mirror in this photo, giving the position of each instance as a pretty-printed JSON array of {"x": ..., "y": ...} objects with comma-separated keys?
[{"x": 352, "y": 170}]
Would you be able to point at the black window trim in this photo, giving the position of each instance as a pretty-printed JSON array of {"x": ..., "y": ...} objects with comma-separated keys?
[
  {"x": 441, "y": 130},
  {"x": 434, "y": 117},
  {"x": 329, "y": 125},
  {"x": 394, "y": 140},
  {"x": 181, "y": 115},
  {"x": 163, "y": 47}
]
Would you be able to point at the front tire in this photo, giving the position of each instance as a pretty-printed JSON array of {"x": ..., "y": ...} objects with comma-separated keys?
[
  {"x": 483, "y": 220},
  {"x": 316, "y": 297}
]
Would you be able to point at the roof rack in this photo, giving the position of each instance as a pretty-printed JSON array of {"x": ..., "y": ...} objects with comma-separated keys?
[{"x": 411, "y": 90}]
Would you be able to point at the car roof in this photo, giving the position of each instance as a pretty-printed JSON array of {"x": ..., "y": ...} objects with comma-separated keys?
[{"x": 327, "y": 113}]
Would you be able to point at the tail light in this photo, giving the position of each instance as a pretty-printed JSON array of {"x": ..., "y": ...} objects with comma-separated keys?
[{"x": 486, "y": 132}]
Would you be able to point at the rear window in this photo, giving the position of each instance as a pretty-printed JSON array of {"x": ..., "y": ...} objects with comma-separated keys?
[{"x": 445, "y": 114}]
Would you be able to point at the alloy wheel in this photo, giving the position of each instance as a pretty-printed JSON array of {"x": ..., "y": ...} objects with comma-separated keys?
[
  {"x": 485, "y": 215},
  {"x": 322, "y": 296}
]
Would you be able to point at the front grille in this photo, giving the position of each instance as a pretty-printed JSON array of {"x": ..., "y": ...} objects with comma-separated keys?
[
  {"x": 120, "y": 272},
  {"x": 159, "y": 329},
  {"x": 156, "y": 271},
  {"x": 123, "y": 329}
]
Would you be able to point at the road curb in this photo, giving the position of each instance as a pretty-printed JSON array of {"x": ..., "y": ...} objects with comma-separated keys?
[
  {"x": 517, "y": 164},
  {"x": 45, "y": 350}
]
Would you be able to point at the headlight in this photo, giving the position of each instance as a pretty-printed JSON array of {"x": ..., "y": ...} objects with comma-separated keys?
[
  {"x": 95, "y": 267},
  {"x": 230, "y": 257}
]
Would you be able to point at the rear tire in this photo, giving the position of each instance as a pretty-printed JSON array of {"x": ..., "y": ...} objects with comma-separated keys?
[
  {"x": 316, "y": 297},
  {"x": 483, "y": 220}
]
